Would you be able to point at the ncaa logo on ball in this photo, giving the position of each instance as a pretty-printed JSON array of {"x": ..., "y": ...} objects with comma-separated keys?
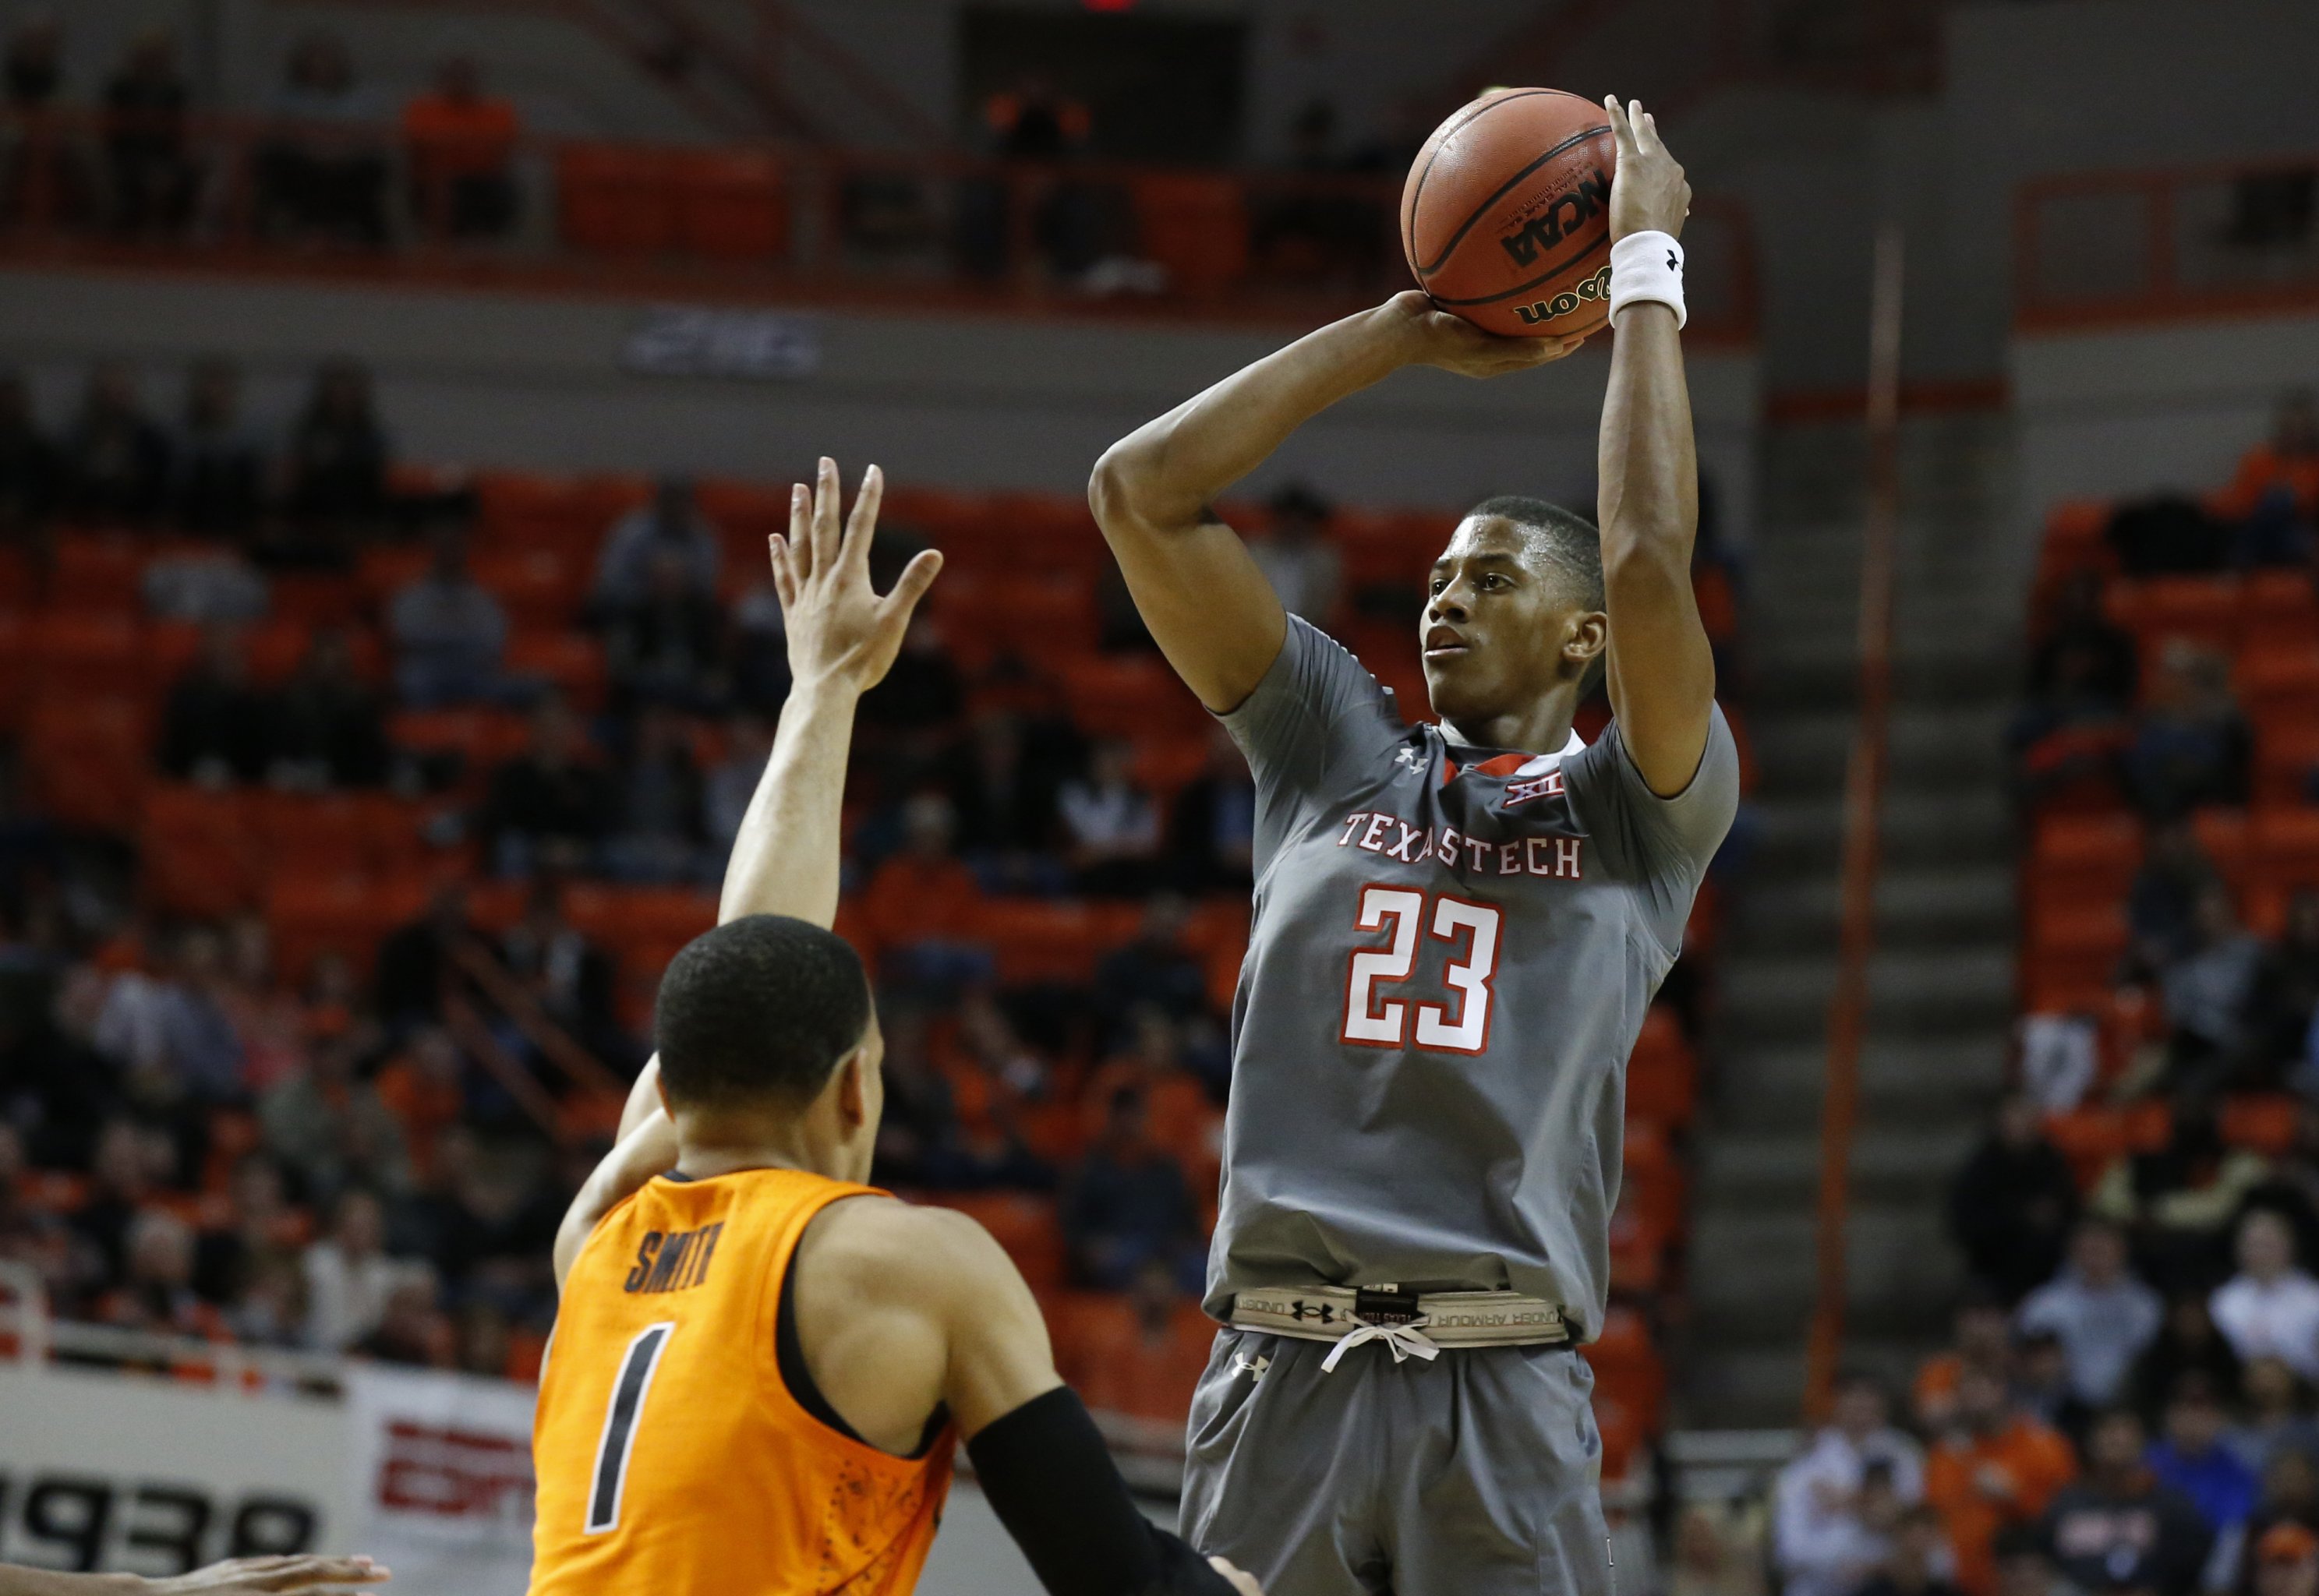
[{"x": 1596, "y": 287}]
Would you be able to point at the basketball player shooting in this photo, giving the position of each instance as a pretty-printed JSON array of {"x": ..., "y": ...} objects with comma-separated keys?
[
  {"x": 1457, "y": 930},
  {"x": 761, "y": 1366}
]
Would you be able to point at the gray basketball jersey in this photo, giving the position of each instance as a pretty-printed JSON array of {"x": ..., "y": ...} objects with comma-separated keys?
[{"x": 1452, "y": 954}]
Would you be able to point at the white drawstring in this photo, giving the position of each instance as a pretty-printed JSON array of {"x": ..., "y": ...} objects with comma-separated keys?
[{"x": 1405, "y": 1339}]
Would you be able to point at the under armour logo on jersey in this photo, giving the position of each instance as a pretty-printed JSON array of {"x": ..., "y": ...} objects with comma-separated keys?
[
  {"x": 1410, "y": 759},
  {"x": 1253, "y": 1367}
]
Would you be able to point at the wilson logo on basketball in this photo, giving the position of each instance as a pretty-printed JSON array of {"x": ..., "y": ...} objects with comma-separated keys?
[
  {"x": 1563, "y": 217},
  {"x": 1596, "y": 287}
]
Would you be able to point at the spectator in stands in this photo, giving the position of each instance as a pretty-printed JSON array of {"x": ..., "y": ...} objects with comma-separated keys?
[
  {"x": 2183, "y": 1199},
  {"x": 322, "y": 173},
  {"x": 2274, "y": 1415},
  {"x": 1832, "y": 1505},
  {"x": 2041, "y": 1383},
  {"x": 169, "y": 1031},
  {"x": 2119, "y": 1529},
  {"x": 667, "y": 647},
  {"x": 151, "y": 176},
  {"x": 1006, "y": 809},
  {"x": 217, "y": 727},
  {"x": 2025, "y": 1563},
  {"x": 156, "y": 1293},
  {"x": 1718, "y": 1550},
  {"x": 2192, "y": 746},
  {"x": 327, "y": 1126},
  {"x": 415, "y": 961},
  {"x": 261, "y": 1226},
  {"x": 54, "y": 1086},
  {"x": 218, "y": 482},
  {"x": 569, "y": 976},
  {"x": 1916, "y": 1562},
  {"x": 729, "y": 789},
  {"x": 485, "y": 1344},
  {"x": 1212, "y": 826},
  {"x": 998, "y": 1089},
  {"x": 2281, "y": 475},
  {"x": 915, "y": 711},
  {"x": 2107, "y": 663},
  {"x": 330, "y": 724},
  {"x": 2162, "y": 906},
  {"x": 127, "y": 1164},
  {"x": 449, "y": 632},
  {"x": 2103, "y": 1315},
  {"x": 2270, "y": 1307},
  {"x": 2285, "y": 1559},
  {"x": 424, "y": 1085},
  {"x": 1153, "y": 971},
  {"x": 268, "y": 1307},
  {"x": 2284, "y": 998},
  {"x": 2189, "y": 1457},
  {"x": 349, "y": 1275},
  {"x": 32, "y": 469},
  {"x": 2188, "y": 1344},
  {"x": 336, "y": 459},
  {"x": 411, "y": 1329},
  {"x": 671, "y": 522},
  {"x": 44, "y": 177},
  {"x": 1993, "y": 1466},
  {"x": 1296, "y": 558},
  {"x": 2011, "y": 1206},
  {"x": 1126, "y": 1206},
  {"x": 551, "y": 804},
  {"x": 116, "y": 458},
  {"x": 1111, "y": 826},
  {"x": 2069, "y": 736},
  {"x": 759, "y": 651},
  {"x": 2207, "y": 988},
  {"x": 1981, "y": 1336},
  {"x": 918, "y": 1137},
  {"x": 658, "y": 834},
  {"x": 462, "y": 152},
  {"x": 922, "y": 904}
]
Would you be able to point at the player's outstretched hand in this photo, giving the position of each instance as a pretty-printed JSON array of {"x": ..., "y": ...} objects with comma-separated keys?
[
  {"x": 270, "y": 1576},
  {"x": 1436, "y": 338},
  {"x": 1648, "y": 192},
  {"x": 1245, "y": 1583},
  {"x": 838, "y": 626}
]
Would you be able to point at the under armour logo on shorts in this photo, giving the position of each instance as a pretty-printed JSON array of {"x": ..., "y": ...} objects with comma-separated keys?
[{"x": 1253, "y": 1367}]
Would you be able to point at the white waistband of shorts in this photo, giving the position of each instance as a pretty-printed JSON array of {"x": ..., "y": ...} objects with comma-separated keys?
[{"x": 1447, "y": 1317}]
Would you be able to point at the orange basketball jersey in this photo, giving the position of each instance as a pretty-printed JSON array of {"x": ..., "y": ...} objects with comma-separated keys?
[{"x": 673, "y": 1458}]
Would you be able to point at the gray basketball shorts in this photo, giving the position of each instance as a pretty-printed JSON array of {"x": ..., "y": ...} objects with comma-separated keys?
[{"x": 1477, "y": 1473}]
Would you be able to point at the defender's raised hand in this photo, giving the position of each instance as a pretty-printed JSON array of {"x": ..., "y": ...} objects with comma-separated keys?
[
  {"x": 1648, "y": 192},
  {"x": 1436, "y": 338},
  {"x": 839, "y": 627}
]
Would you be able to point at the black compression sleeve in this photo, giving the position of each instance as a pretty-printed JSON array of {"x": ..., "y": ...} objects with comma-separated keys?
[{"x": 1054, "y": 1486}]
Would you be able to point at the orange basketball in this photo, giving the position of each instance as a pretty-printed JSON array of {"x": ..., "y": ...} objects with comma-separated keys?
[{"x": 1506, "y": 216}]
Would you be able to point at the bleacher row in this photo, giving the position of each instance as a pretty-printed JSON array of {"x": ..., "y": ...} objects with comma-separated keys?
[
  {"x": 2085, "y": 847},
  {"x": 83, "y": 673}
]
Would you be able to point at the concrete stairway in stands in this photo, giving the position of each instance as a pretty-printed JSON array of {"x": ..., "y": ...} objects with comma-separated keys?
[{"x": 1941, "y": 984}]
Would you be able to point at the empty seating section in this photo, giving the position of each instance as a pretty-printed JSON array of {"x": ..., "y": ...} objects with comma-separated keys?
[{"x": 2084, "y": 847}]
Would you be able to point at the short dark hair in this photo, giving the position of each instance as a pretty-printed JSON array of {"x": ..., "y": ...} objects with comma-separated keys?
[
  {"x": 1566, "y": 542},
  {"x": 762, "y": 1006}
]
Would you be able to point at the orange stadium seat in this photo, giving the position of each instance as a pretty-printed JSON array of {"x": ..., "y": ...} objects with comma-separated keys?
[
  {"x": 572, "y": 662},
  {"x": 731, "y": 204},
  {"x": 1625, "y": 1356},
  {"x": 2278, "y": 679},
  {"x": 2095, "y": 1136},
  {"x": 610, "y": 913},
  {"x": 17, "y": 672},
  {"x": 2285, "y": 756},
  {"x": 1663, "y": 1074},
  {"x": 1102, "y": 1350},
  {"x": 2076, "y": 941},
  {"x": 197, "y": 851},
  {"x": 88, "y": 757},
  {"x": 1037, "y": 939},
  {"x": 92, "y": 651},
  {"x": 483, "y": 738},
  {"x": 310, "y": 600},
  {"x": 1197, "y": 227},
  {"x": 1025, "y": 1225},
  {"x": 2223, "y": 836},
  {"x": 1044, "y": 531},
  {"x": 343, "y": 834},
  {"x": 2279, "y": 609},
  {"x": 348, "y": 914},
  {"x": 1127, "y": 696},
  {"x": 98, "y": 571},
  {"x": 2076, "y": 535},
  {"x": 524, "y": 509},
  {"x": 2080, "y": 859},
  {"x": 2286, "y": 847},
  {"x": 384, "y": 570},
  {"x": 2265, "y": 1122},
  {"x": 2203, "y": 609},
  {"x": 539, "y": 585},
  {"x": 614, "y": 199}
]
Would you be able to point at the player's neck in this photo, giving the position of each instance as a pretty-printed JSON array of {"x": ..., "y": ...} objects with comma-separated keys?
[
  {"x": 710, "y": 1146},
  {"x": 1542, "y": 727}
]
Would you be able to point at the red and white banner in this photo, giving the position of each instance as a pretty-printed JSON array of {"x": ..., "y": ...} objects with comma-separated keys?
[{"x": 438, "y": 1480}]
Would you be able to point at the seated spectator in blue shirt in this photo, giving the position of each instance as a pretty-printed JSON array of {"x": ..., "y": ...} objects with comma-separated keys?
[
  {"x": 1127, "y": 1205},
  {"x": 449, "y": 633},
  {"x": 219, "y": 481},
  {"x": 2190, "y": 1457},
  {"x": 2192, "y": 746},
  {"x": 116, "y": 457},
  {"x": 672, "y": 521}
]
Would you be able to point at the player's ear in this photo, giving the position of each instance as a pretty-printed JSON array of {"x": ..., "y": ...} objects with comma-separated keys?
[
  {"x": 1588, "y": 637},
  {"x": 852, "y": 1089}
]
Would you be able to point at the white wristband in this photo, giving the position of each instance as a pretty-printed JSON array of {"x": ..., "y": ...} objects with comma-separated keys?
[{"x": 1646, "y": 265}]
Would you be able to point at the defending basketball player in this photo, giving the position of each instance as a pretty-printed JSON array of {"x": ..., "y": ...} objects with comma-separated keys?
[
  {"x": 1458, "y": 928},
  {"x": 761, "y": 1366}
]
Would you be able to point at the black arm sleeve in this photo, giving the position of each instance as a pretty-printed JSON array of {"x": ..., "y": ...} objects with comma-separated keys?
[{"x": 1052, "y": 1484}]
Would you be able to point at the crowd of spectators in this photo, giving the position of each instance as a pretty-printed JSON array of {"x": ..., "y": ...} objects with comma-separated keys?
[
  {"x": 2126, "y": 1401},
  {"x": 195, "y": 1138},
  {"x": 141, "y": 162}
]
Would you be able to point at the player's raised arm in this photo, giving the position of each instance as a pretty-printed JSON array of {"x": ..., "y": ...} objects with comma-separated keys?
[
  {"x": 843, "y": 637},
  {"x": 1662, "y": 672},
  {"x": 1208, "y": 605}
]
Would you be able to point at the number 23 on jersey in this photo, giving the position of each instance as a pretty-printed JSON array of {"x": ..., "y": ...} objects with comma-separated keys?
[{"x": 1375, "y": 1018}]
